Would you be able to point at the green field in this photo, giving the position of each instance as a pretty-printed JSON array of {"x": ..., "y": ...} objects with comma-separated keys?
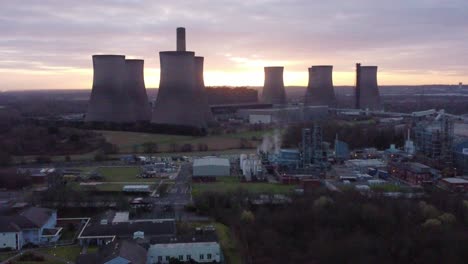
[
  {"x": 227, "y": 184},
  {"x": 69, "y": 253},
  {"x": 6, "y": 255},
  {"x": 121, "y": 174},
  {"x": 127, "y": 141}
]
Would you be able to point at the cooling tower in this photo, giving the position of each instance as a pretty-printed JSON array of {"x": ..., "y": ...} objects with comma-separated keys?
[
  {"x": 180, "y": 99},
  {"x": 369, "y": 97},
  {"x": 135, "y": 85},
  {"x": 177, "y": 102},
  {"x": 109, "y": 100},
  {"x": 273, "y": 88},
  {"x": 200, "y": 86},
  {"x": 320, "y": 88}
]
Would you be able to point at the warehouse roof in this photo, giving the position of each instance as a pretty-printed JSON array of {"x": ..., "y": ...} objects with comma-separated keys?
[
  {"x": 455, "y": 180},
  {"x": 211, "y": 161}
]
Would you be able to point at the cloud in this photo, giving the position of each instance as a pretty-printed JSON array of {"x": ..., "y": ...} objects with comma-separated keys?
[{"x": 423, "y": 36}]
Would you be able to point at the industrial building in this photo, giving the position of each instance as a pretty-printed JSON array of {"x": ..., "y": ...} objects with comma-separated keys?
[
  {"x": 367, "y": 89},
  {"x": 273, "y": 88},
  {"x": 110, "y": 100},
  {"x": 412, "y": 173},
  {"x": 460, "y": 155},
  {"x": 180, "y": 99},
  {"x": 251, "y": 167},
  {"x": 135, "y": 85},
  {"x": 208, "y": 168},
  {"x": 289, "y": 114},
  {"x": 320, "y": 88},
  {"x": 433, "y": 138},
  {"x": 455, "y": 184}
]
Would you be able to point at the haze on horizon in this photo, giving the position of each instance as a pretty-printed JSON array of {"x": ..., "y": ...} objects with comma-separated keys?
[{"x": 48, "y": 44}]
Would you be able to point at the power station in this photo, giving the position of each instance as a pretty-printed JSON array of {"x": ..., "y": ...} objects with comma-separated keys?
[
  {"x": 200, "y": 85},
  {"x": 135, "y": 85},
  {"x": 273, "y": 88},
  {"x": 367, "y": 89},
  {"x": 320, "y": 88},
  {"x": 110, "y": 101},
  {"x": 180, "y": 97}
]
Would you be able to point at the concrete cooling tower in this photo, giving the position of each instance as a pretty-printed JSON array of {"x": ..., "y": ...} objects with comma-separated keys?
[
  {"x": 109, "y": 100},
  {"x": 320, "y": 88},
  {"x": 367, "y": 90},
  {"x": 135, "y": 85},
  {"x": 273, "y": 87},
  {"x": 180, "y": 99},
  {"x": 200, "y": 86}
]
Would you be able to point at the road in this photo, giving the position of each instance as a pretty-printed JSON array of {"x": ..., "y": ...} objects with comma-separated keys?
[{"x": 178, "y": 193}]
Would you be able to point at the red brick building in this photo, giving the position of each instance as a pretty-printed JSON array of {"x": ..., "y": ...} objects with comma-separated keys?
[
  {"x": 411, "y": 172},
  {"x": 455, "y": 184}
]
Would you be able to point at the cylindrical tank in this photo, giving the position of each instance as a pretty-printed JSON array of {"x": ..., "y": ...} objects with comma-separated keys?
[
  {"x": 369, "y": 89},
  {"x": 273, "y": 88},
  {"x": 135, "y": 84},
  {"x": 181, "y": 39},
  {"x": 176, "y": 102},
  {"x": 320, "y": 88},
  {"x": 200, "y": 86},
  {"x": 109, "y": 101}
]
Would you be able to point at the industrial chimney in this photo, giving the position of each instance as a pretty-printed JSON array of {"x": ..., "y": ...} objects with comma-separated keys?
[
  {"x": 369, "y": 97},
  {"x": 135, "y": 85},
  {"x": 181, "y": 94},
  {"x": 181, "y": 39},
  {"x": 320, "y": 88},
  {"x": 109, "y": 100},
  {"x": 273, "y": 88}
]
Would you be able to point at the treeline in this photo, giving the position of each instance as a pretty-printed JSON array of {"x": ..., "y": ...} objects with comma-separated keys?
[
  {"x": 229, "y": 95},
  {"x": 359, "y": 135},
  {"x": 344, "y": 228}
]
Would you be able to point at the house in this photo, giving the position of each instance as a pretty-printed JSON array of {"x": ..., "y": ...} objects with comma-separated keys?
[
  {"x": 33, "y": 225},
  {"x": 202, "y": 247},
  {"x": 117, "y": 252}
]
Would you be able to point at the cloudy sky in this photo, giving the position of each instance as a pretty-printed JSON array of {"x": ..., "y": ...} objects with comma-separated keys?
[{"x": 49, "y": 43}]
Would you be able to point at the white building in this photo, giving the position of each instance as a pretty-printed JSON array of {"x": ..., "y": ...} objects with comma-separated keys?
[
  {"x": 201, "y": 252},
  {"x": 211, "y": 167},
  {"x": 36, "y": 226}
]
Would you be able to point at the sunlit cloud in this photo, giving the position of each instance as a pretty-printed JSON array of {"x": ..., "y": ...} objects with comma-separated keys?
[{"x": 49, "y": 44}]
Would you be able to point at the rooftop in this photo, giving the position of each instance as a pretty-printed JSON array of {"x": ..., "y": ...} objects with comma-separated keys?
[
  {"x": 455, "y": 180},
  {"x": 210, "y": 161},
  {"x": 151, "y": 228}
]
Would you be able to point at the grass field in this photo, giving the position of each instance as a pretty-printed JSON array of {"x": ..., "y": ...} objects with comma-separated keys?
[
  {"x": 121, "y": 174},
  {"x": 6, "y": 255},
  {"x": 126, "y": 141},
  {"x": 227, "y": 184},
  {"x": 69, "y": 253}
]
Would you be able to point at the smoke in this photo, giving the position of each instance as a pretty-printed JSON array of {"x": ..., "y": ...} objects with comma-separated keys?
[{"x": 271, "y": 143}]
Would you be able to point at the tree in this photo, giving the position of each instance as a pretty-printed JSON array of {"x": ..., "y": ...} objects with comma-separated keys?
[
  {"x": 150, "y": 147},
  {"x": 187, "y": 148},
  {"x": 5, "y": 159}
]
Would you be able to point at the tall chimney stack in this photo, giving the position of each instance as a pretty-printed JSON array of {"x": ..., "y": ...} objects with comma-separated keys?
[{"x": 181, "y": 39}]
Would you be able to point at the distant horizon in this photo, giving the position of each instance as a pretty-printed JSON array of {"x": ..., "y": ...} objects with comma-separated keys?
[
  {"x": 242, "y": 86},
  {"x": 413, "y": 43}
]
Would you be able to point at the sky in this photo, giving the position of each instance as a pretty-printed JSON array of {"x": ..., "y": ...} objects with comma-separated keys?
[{"x": 48, "y": 44}]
